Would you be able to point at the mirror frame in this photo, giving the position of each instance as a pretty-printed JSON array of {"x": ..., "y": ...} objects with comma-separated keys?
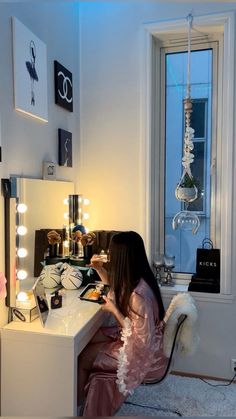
[
  {"x": 10, "y": 202},
  {"x": 11, "y": 217}
]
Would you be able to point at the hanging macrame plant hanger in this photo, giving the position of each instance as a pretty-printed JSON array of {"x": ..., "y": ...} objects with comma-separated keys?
[{"x": 186, "y": 190}]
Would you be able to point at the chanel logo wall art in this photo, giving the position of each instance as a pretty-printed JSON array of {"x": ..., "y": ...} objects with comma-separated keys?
[
  {"x": 49, "y": 170},
  {"x": 65, "y": 147},
  {"x": 30, "y": 72},
  {"x": 63, "y": 87}
]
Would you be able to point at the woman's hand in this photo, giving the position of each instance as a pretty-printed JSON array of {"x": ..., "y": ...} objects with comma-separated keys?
[
  {"x": 110, "y": 306},
  {"x": 96, "y": 262}
]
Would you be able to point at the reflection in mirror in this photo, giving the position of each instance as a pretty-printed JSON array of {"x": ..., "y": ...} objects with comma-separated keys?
[{"x": 40, "y": 204}]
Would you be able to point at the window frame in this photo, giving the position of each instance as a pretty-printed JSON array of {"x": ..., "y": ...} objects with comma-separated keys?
[
  {"x": 182, "y": 47},
  {"x": 223, "y": 24}
]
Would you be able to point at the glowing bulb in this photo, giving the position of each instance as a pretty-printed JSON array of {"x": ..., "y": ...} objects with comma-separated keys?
[
  {"x": 21, "y": 230},
  {"x": 66, "y": 201},
  {"x": 86, "y": 216},
  {"x": 21, "y": 208},
  {"x": 21, "y": 274},
  {"x": 66, "y": 243},
  {"x": 66, "y": 215},
  {"x": 80, "y": 199},
  {"x": 86, "y": 201},
  {"x": 22, "y": 296},
  {"x": 22, "y": 252}
]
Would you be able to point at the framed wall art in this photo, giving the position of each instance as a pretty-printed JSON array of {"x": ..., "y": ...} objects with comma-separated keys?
[
  {"x": 30, "y": 72},
  {"x": 63, "y": 86},
  {"x": 65, "y": 148},
  {"x": 49, "y": 170}
]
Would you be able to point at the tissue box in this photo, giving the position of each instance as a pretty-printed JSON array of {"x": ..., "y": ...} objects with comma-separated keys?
[{"x": 24, "y": 314}]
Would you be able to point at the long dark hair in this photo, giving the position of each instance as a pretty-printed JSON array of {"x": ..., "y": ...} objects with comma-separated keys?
[{"x": 128, "y": 264}]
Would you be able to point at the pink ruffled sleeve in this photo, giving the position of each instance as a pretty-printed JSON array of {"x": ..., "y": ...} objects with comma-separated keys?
[{"x": 140, "y": 342}]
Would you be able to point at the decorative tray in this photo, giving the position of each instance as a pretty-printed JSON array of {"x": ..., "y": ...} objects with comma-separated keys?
[{"x": 94, "y": 292}]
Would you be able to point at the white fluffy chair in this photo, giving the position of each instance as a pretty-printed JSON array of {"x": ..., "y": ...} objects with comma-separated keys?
[
  {"x": 180, "y": 330},
  {"x": 188, "y": 339}
]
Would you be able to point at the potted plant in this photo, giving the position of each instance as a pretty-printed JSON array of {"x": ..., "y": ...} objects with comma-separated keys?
[{"x": 186, "y": 189}]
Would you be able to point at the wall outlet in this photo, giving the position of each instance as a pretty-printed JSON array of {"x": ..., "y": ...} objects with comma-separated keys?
[{"x": 233, "y": 365}]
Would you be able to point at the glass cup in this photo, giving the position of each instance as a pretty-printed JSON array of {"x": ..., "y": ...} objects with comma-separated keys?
[
  {"x": 169, "y": 263},
  {"x": 158, "y": 264}
]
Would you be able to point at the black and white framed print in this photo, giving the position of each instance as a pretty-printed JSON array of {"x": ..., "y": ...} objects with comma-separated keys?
[
  {"x": 65, "y": 148},
  {"x": 63, "y": 87},
  {"x": 30, "y": 72}
]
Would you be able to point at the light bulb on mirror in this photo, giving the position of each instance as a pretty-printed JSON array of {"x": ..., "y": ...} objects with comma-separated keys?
[
  {"x": 86, "y": 201},
  {"x": 21, "y": 208},
  {"x": 22, "y": 252},
  {"x": 22, "y": 296},
  {"x": 21, "y": 230},
  {"x": 66, "y": 201},
  {"x": 66, "y": 216},
  {"x": 85, "y": 216},
  {"x": 22, "y": 274}
]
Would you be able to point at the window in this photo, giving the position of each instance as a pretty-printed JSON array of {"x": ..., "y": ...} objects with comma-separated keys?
[
  {"x": 180, "y": 243},
  {"x": 218, "y": 27}
]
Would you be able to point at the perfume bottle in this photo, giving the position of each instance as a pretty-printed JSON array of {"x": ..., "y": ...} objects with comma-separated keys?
[{"x": 56, "y": 300}]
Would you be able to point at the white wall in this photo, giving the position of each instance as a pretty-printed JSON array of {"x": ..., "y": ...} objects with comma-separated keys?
[
  {"x": 111, "y": 63},
  {"x": 107, "y": 165},
  {"x": 26, "y": 143}
]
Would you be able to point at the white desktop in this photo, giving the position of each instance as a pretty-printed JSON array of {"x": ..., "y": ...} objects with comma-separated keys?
[{"x": 39, "y": 364}]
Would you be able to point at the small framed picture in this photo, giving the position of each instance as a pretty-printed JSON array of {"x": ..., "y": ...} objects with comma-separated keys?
[
  {"x": 65, "y": 148},
  {"x": 49, "y": 170},
  {"x": 63, "y": 87}
]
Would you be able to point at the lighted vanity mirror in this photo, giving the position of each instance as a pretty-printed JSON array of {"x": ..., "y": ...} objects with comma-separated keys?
[{"x": 46, "y": 208}]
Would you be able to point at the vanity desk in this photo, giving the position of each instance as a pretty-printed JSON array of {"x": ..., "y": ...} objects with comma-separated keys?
[{"x": 39, "y": 364}]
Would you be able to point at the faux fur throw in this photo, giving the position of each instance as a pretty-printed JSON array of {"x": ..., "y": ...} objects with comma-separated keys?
[{"x": 188, "y": 338}]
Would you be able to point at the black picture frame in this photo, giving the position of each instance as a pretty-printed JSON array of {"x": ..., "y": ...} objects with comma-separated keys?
[
  {"x": 63, "y": 87},
  {"x": 64, "y": 148}
]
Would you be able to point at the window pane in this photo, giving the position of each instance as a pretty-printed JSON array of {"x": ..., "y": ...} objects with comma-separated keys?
[
  {"x": 198, "y": 118},
  {"x": 183, "y": 244},
  {"x": 197, "y": 169}
]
